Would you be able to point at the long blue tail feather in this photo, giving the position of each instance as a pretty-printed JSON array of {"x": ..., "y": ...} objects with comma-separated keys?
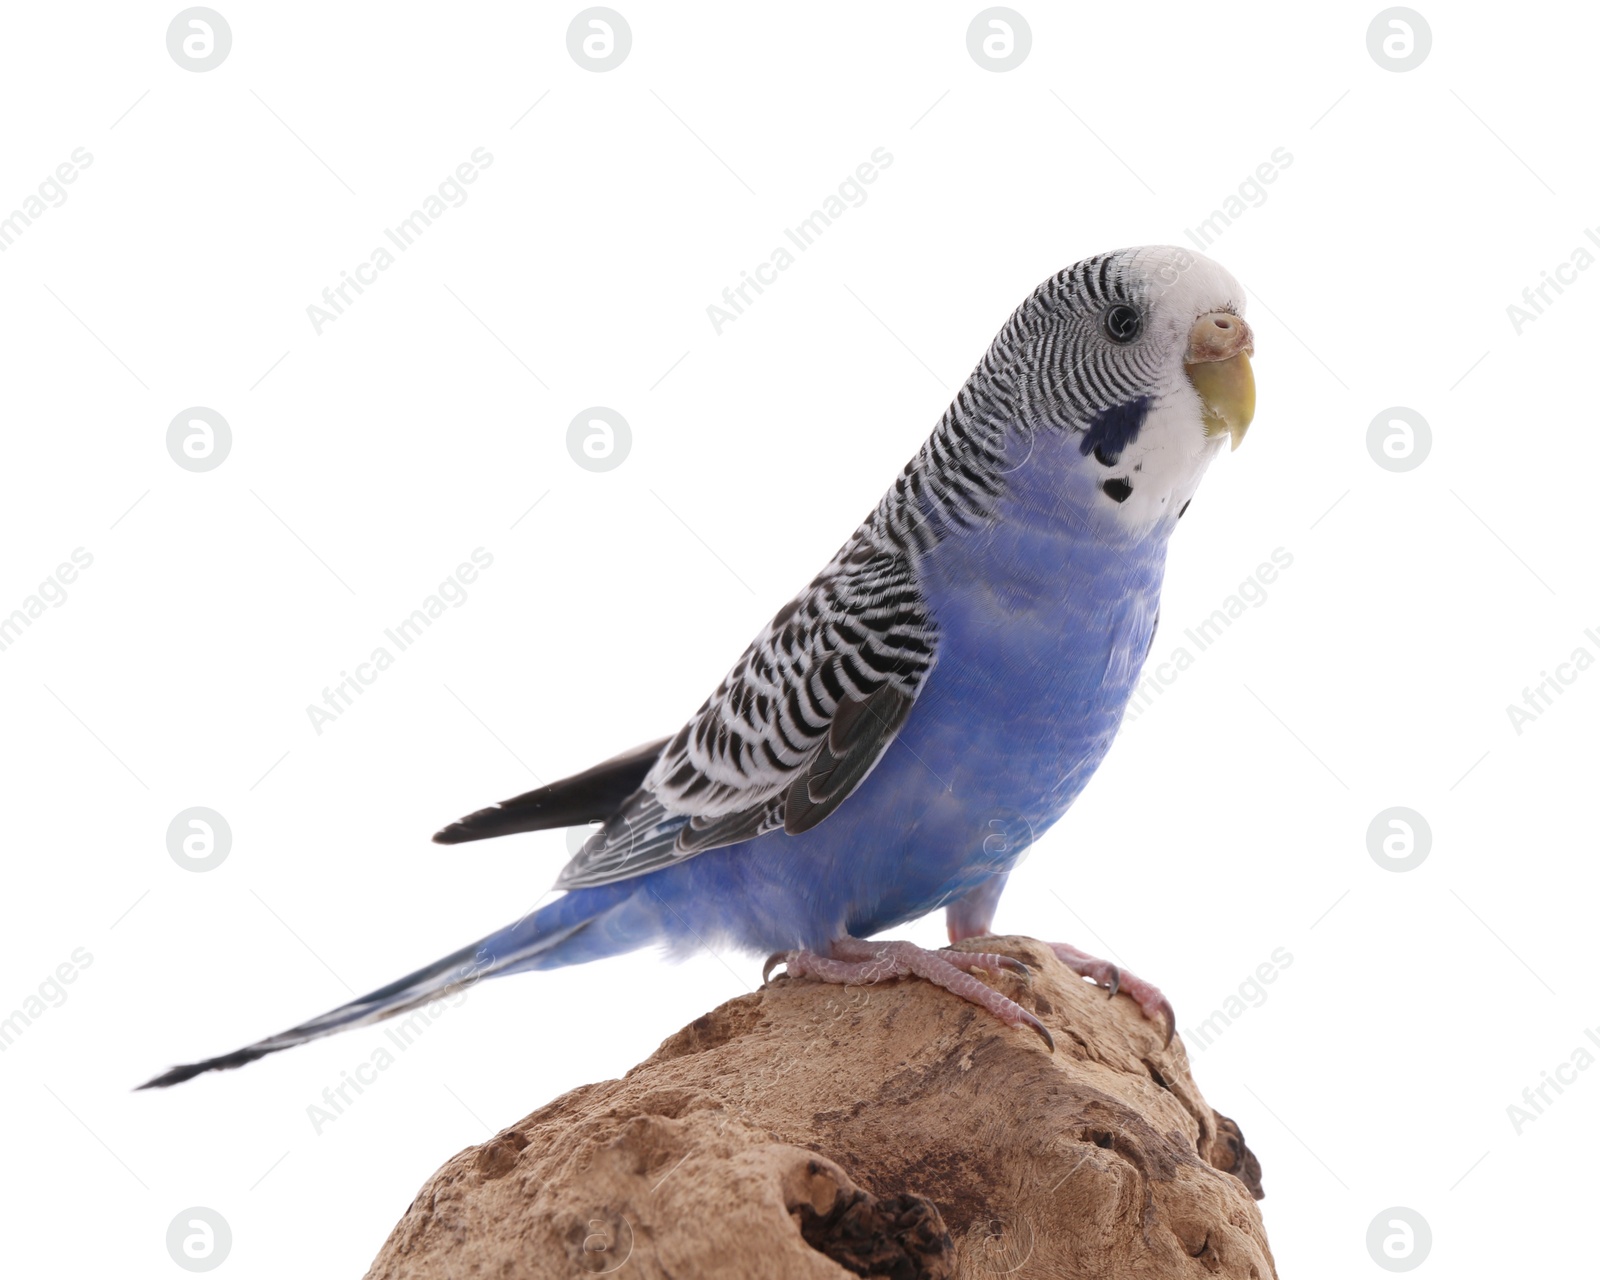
[{"x": 545, "y": 939}]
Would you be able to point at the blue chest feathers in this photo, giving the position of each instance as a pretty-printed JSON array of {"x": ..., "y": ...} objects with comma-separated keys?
[{"x": 1045, "y": 617}]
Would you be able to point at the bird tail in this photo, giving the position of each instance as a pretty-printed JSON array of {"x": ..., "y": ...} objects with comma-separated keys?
[{"x": 564, "y": 932}]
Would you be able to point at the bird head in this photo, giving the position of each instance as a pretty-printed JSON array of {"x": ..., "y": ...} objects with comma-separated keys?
[{"x": 1140, "y": 359}]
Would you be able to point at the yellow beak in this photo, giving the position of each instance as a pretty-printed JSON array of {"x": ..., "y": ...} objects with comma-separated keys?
[{"x": 1218, "y": 364}]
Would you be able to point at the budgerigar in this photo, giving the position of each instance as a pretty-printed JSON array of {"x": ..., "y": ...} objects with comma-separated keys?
[{"x": 938, "y": 695}]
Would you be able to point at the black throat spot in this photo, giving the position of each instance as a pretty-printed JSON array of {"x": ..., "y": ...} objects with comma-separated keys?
[{"x": 1112, "y": 430}]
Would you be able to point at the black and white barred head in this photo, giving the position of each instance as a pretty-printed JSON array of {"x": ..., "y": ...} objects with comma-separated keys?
[
  {"x": 1099, "y": 353},
  {"x": 1110, "y": 330}
]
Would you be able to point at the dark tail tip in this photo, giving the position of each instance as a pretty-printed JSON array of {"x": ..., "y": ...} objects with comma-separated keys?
[
  {"x": 189, "y": 1070},
  {"x": 169, "y": 1078}
]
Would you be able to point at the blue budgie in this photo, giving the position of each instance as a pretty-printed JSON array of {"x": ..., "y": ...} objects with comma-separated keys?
[{"x": 933, "y": 701}]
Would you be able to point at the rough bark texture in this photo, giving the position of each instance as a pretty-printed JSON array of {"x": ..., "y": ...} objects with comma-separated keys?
[{"x": 894, "y": 1131}]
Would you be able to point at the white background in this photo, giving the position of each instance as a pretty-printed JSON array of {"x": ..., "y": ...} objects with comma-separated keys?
[{"x": 1229, "y": 820}]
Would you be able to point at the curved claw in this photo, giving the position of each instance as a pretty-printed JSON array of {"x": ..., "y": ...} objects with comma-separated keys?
[
  {"x": 1165, "y": 1010},
  {"x": 1114, "y": 979},
  {"x": 1013, "y": 965},
  {"x": 1044, "y": 1031},
  {"x": 773, "y": 961},
  {"x": 1009, "y": 963}
]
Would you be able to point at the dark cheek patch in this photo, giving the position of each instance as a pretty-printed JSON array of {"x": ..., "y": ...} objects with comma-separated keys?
[
  {"x": 1112, "y": 430},
  {"x": 1117, "y": 490}
]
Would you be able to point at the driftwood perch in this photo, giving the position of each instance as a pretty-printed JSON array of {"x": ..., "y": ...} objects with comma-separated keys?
[{"x": 893, "y": 1131}]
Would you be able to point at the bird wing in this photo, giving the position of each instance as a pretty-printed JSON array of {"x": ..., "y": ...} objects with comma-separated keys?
[{"x": 793, "y": 729}]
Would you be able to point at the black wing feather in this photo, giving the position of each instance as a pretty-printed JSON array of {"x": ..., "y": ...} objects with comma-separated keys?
[
  {"x": 861, "y": 732},
  {"x": 591, "y": 796}
]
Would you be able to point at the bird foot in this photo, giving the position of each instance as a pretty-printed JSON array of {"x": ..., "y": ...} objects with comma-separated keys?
[
  {"x": 857, "y": 963},
  {"x": 1113, "y": 978}
]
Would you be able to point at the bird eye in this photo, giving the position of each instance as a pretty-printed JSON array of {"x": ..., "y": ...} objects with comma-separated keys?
[{"x": 1122, "y": 323}]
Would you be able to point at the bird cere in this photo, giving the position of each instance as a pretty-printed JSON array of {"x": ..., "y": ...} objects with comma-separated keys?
[{"x": 970, "y": 650}]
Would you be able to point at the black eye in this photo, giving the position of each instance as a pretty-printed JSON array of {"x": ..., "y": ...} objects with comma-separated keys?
[{"x": 1122, "y": 323}]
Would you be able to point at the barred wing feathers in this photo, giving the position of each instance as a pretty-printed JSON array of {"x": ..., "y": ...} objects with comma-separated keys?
[{"x": 793, "y": 729}]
